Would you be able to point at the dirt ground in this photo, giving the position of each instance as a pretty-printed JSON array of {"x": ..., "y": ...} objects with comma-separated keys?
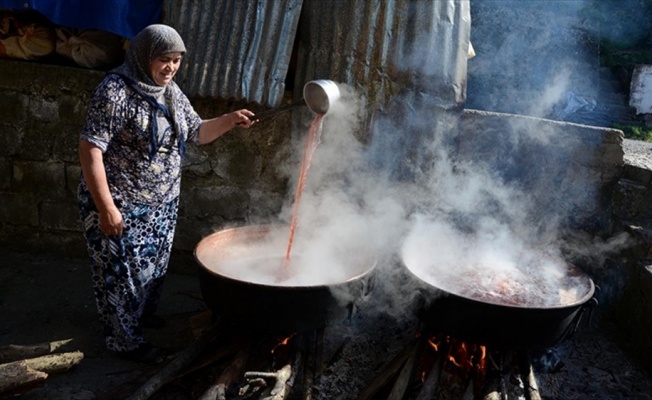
[{"x": 46, "y": 298}]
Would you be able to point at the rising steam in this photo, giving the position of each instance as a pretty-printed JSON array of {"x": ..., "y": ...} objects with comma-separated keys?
[{"x": 409, "y": 195}]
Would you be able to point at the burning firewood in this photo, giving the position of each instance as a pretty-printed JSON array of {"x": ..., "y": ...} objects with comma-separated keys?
[
  {"x": 218, "y": 389},
  {"x": 527, "y": 375},
  {"x": 312, "y": 362},
  {"x": 432, "y": 379},
  {"x": 280, "y": 389}
]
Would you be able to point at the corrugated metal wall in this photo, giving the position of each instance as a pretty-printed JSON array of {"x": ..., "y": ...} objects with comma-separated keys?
[
  {"x": 383, "y": 47},
  {"x": 242, "y": 49},
  {"x": 237, "y": 49}
]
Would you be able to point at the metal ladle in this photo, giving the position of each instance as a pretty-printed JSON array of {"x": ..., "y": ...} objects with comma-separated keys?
[{"x": 318, "y": 95}]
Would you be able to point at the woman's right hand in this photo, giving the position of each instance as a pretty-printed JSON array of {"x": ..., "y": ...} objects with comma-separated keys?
[
  {"x": 92, "y": 163},
  {"x": 111, "y": 222}
]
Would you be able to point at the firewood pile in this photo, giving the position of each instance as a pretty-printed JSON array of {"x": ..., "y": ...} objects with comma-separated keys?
[
  {"x": 227, "y": 361},
  {"x": 443, "y": 368},
  {"x": 232, "y": 362},
  {"x": 25, "y": 367},
  {"x": 344, "y": 361}
]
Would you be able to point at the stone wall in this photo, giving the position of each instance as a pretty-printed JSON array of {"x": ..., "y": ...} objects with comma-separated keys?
[
  {"x": 234, "y": 180},
  {"x": 568, "y": 171},
  {"x": 633, "y": 206}
]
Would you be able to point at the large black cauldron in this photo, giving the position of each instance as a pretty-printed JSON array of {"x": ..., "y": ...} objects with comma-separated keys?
[
  {"x": 237, "y": 295},
  {"x": 498, "y": 325}
]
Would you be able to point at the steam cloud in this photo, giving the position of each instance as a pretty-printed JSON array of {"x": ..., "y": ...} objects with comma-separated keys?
[{"x": 405, "y": 197}]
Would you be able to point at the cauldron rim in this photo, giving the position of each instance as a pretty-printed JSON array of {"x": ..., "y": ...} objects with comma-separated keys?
[
  {"x": 577, "y": 303},
  {"x": 372, "y": 264}
]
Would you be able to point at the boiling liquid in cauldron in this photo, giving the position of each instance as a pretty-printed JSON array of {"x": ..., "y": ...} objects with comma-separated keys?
[
  {"x": 258, "y": 261},
  {"x": 524, "y": 290},
  {"x": 533, "y": 283},
  {"x": 496, "y": 268},
  {"x": 265, "y": 271}
]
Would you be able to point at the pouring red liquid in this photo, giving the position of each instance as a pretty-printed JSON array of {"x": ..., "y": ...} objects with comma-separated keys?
[
  {"x": 309, "y": 149},
  {"x": 318, "y": 95}
]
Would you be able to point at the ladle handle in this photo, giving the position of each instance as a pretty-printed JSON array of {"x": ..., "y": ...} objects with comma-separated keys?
[{"x": 278, "y": 110}]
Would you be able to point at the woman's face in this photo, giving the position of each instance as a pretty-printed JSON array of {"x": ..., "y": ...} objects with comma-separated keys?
[{"x": 164, "y": 67}]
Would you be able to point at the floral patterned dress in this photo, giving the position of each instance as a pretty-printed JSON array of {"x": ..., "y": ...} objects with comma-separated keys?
[{"x": 128, "y": 271}]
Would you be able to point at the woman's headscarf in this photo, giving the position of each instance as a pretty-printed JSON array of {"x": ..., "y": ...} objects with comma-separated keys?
[{"x": 153, "y": 41}]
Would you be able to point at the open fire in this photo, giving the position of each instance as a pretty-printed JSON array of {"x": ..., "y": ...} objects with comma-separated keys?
[
  {"x": 442, "y": 367},
  {"x": 231, "y": 361}
]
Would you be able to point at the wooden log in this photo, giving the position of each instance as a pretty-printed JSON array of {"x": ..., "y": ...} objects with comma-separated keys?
[
  {"x": 432, "y": 379},
  {"x": 200, "y": 321},
  {"x": 312, "y": 346},
  {"x": 280, "y": 388},
  {"x": 218, "y": 389},
  {"x": 44, "y": 365},
  {"x": 337, "y": 354},
  {"x": 16, "y": 352},
  {"x": 227, "y": 348},
  {"x": 469, "y": 392},
  {"x": 528, "y": 378},
  {"x": 17, "y": 378},
  {"x": 161, "y": 377},
  {"x": 13, "y": 352},
  {"x": 319, "y": 353},
  {"x": 387, "y": 373},
  {"x": 504, "y": 375},
  {"x": 55, "y": 363},
  {"x": 405, "y": 376},
  {"x": 491, "y": 390}
]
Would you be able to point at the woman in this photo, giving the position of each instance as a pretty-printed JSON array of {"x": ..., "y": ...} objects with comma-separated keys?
[{"x": 130, "y": 150}]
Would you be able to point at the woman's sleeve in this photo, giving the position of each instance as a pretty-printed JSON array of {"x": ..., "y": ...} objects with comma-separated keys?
[
  {"x": 193, "y": 120},
  {"x": 105, "y": 115}
]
